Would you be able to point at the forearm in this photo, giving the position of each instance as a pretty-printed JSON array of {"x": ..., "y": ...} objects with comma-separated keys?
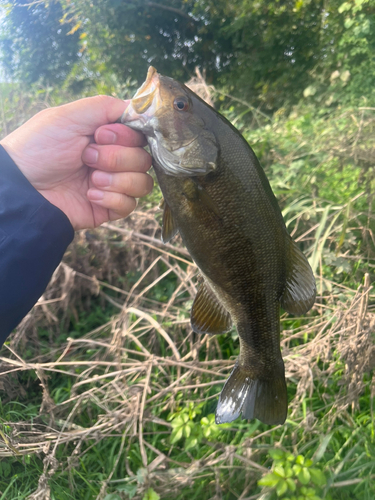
[{"x": 34, "y": 235}]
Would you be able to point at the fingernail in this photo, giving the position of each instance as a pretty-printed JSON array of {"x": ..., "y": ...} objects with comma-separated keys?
[
  {"x": 90, "y": 155},
  {"x": 95, "y": 194},
  {"x": 106, "y": 137},
  {"x": 102, "y": 179}
]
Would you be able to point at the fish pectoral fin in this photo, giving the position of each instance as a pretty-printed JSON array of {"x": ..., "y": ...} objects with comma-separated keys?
[
  {"x": 207, "y": 201},
  {"x": 162, "y": 204},
  {"x": 208, "y": 315},
  {"x": 196, "y": 193},
  {"x": 300, "y": 289},
  {"x": 170, "y": 228},
  {"x": 264, "y": 399}
]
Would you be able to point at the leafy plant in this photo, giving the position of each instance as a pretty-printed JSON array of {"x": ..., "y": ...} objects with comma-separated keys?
[
  {"x": 293, "y": 477},
  {"x": 194, "y": 431}
]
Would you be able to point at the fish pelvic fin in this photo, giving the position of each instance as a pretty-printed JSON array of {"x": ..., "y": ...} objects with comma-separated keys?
[
  {"x": 208, "y": 315},
  {"x": 300, "y": 288},
  {"x": 264, "y": 399}
]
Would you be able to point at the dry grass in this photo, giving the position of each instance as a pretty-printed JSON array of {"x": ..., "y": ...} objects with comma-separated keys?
[{"x": 137, "y": 364}]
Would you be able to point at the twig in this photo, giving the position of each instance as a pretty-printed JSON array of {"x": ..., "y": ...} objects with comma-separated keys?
[
  {"x": 141, "y": 411},
  {"x": 135, "y": 234},
  {"x": 157, "y": 327}
]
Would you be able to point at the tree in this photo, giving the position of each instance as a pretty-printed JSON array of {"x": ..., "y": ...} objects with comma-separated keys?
[
  {"x": 269, "y": 53},
  {"x": 36, "y": 44}
]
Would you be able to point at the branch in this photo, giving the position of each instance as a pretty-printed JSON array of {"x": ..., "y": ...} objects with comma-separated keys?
[{"x": 170, "y": 9}]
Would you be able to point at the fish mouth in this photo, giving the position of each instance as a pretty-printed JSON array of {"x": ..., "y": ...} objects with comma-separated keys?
[{"x": 144, "y": 103}]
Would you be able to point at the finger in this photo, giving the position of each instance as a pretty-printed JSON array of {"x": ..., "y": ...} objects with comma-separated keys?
[
  {"x": 117, "y": 158},
  {"x": 134, "y": 184},
  {"x": 117, "y": 203},
  {"x": 122, "y": 135},
  {"x": 92, "y": 112}
]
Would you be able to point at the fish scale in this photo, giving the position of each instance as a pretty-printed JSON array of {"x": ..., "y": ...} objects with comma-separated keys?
[{"x": 217, "y": 196}]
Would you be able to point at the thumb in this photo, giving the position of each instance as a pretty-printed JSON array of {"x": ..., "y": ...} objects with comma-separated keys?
[{"x": 92, "y": 112}]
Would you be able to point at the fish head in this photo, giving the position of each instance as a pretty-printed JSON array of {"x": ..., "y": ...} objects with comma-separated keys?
[{"x": 167, "y": 113}]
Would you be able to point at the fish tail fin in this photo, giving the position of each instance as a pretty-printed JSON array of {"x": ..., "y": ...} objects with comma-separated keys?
[{"x": 264, "y": 399}]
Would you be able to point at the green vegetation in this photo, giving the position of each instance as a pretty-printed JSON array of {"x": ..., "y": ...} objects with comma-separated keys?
[
  {"x": 269, "y": 53},
  {"x": 105, "y": 391}
]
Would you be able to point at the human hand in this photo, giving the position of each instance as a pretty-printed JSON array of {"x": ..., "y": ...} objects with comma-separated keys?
[{"x": 91, "y": 182}]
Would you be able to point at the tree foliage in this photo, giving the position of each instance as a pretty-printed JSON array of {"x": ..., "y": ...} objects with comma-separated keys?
[
  {"x": 36, "y": 43},
  {"x": 271, "y": 53}
]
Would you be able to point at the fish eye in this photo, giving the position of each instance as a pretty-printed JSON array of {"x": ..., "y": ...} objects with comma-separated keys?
[{"x": 181, "y": 104}]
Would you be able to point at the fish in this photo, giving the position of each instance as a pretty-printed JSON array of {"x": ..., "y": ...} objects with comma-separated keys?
[{"x": 218, "y": 198}]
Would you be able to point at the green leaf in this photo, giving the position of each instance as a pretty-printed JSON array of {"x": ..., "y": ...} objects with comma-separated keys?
[
  {"x": 322, "y": 447},
  {"x": 141, "y": 475},
  {"x": 279, "y": 471},
  {"x": 281, "y": 488},
  {"x": 344, "y": 7},
  {"x": 191, "y": 443},
  {"x": 176, "y": 435},
  {"x": 304, "y": 476},
  {"x": 297, "y": 469},
  {"x": 129, "y": 489},
  {"x": 206, "y": 432},
  {"x": 288, "y": 470},
  {"x": 318, "y": 477},
  {"x": 151, "y": 495},
  {"x": 309, "y": 91},
  {"x": 300, "y": 460},
  {"x": 269, "y": 480},
  {"x": 345, "y": 75},
  {"x": 187, "y": 430},
  {"x": 112, "y": 496},
  {"x": 291, "y": 484},
  {"x": 310, "y": 492},
  {"x": 276, "y": 454},
  {"x": 177, "y": 422}
]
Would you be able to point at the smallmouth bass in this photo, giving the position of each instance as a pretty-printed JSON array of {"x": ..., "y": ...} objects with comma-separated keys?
[{"x": 217, "y": 196}]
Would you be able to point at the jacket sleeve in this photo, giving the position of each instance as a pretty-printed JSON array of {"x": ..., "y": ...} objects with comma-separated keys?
[{"x": 34, "y": 235}]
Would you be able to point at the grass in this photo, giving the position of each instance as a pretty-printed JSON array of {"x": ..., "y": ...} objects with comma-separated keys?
[{"x": 106, "y": 393}]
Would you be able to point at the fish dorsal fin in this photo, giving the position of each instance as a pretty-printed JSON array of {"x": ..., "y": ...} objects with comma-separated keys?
[
  {"x": 300, "y": 290},
  {"x": 170, "y": 228},
  {"x": 207, "y": 314}
]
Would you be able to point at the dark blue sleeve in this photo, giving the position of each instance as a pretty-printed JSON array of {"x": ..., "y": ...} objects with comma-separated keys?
[{"x": 34, "y": 235}]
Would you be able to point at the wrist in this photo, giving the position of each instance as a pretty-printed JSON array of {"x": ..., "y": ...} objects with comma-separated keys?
[
  {"x": 26, "y": 191},
  {"x": 8, "y": 144}
]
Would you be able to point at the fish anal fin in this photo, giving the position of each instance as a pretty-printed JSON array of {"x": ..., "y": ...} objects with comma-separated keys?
[
  {"x": 208, "y": 315},
  {"x": 170, "y": 228},
  {"x": 300, "y": 288},
  {"x": 265, "y": 399}
]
